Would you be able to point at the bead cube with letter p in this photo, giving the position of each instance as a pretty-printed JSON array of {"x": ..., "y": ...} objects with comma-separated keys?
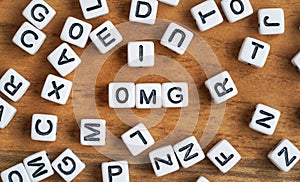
[{"x": 116, "y": 171}]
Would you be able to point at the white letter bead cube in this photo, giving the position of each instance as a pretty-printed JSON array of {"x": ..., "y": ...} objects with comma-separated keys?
[
  {"x": 56, "y": 89},
  {"x": 163, "y": 161},
  {"x": 254, "y": 52},
  {"x": 116, "y": 171},
  {"x": 121, "y": 95},
  {"x": 148, "y": 95},
  {"x": 140, "y": 54},
  {"x": 265, "y": 119},
  {"x": 93, "y": 8},
  {"x": 138, "y": 139},
  {"x": 7, "y": 112},
  {"x": 177, "y": 38},
  {"x": 143, "y": 11},
  {"x": 68, "y": 165},
  {"x": 202, "y": 179},
  {"x": 224, "y": 156},
  {"x": 92, "y": 132},
  {"x": 189, "y": 152},
  {"x": 221, "y": 87},
  {"x": 15, "y": 173},
  {"x": 207, "y": 15},
  {"x": 13, "y": 85},
  {"x": 285, "y": 155},
  {"x": 44, "y": 127},
  {"x": 170, "y": 2},
  {"x": 296, "y": 61},
  {"x": 39, "y": 13},
  {"x": 175, "y": 95},
  {"x": 271, "y": 21},
  {"x": 106, "y": 37},
  {"x": 236, "y": 10},
  {"x": 64, "y": 59},
  {"x": 38, "y": 166},
  {"x": 29, "y": 38},
  {"x": 76, "y": 32}
]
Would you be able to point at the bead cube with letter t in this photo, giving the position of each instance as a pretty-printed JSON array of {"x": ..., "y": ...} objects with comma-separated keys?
[
  {"x": 93, "y": 132},
  {"x": 44, "y": 127},
  {"x": 116, "y": 171}
]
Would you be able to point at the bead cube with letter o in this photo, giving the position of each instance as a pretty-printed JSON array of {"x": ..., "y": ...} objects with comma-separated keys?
[
  {"x": 76, "y": 32},
  {"x": 116, "y": 171},
  {"x": 177, "y": 38},
  {"x": 56, "y": 89},
  {"x": 296, "y": 61},
  {"x": 142, "y": 11},
  {"x": 13, "y": 85},
  {"x": 138, "y": 139},
  {"x": 106, "y": 37},
  {"x": 7, "y": 112},
  {"x": 271, "y": 21},
  {"x": 224, "y": 156},
  {"x": 254, "y": 52},
  {"x": 121, "y": 95},
  {"x": 285, "y": 155},
  {"x": 221, "y": 87},
  {"x": 236, "y": 10},
  {"x": 93, "y": 132},
  {"x": 68, "y": 165},
  {"x": 39, "y": 13},
  {"x": 15, "y": 173},
  {"x": 207, "y": 15},
  {"x": 93, "y": 8},
  {"x": 29, "y": 38},
  {"x": 140, "y": 54},
  {"x": 44, "y": 127}
]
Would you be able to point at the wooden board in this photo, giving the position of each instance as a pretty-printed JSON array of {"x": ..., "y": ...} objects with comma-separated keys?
[{"x": 277, "y": 85}]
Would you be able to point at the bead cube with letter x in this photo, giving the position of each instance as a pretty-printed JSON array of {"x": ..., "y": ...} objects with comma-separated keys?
[
  {"x": 116, "y": 171},
  {"x": 92, "y": 132},
  {"x": 56, "y": 89}
]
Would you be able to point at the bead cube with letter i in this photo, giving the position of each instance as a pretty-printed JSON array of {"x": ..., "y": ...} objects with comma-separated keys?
[
  {"x": 93, "y": 132},
  {"x": 236, "y": 10},
  {"x": 7, "y": 112},
  {"x": 177, "y": 38},
  {"x": 221, "y": 87},
  {"x": 39, "y": 13},
  {"x": 44, "y": 127},
  {"x": 207, "y": 15},
  {"x": 56, "y": 89},
  {"x": 265, "y": 119},
  {"x": 76, "y": 32},
  {"x": 142, "y": 11},
  {"x": 140, "y": 54},
  {"x": 116, "y": 171},
  {"x": 93, "y": 8},
  {"x": 29, "y": 38},
  {"x": 254, "y": 52},
  {"x": 68, "y": 165},
  {"x": 296, "y": 61},
  {"x": 15, "y": 173},
  {"x": 285, "y": 155},
  {"x": 106, "y": 37},
  {"x": 13, "y": 85},
  {"x": 271, "y": 21},
  {"x": 224, "y": 156},
  {"x": 138, "y": 139}
]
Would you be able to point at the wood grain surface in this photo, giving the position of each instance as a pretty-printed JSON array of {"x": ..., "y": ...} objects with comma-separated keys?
[{"x": 277, "y": 85}]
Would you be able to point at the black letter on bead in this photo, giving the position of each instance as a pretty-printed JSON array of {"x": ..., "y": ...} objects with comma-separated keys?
[
  {"x": 102, "y": 39},
  {"x": 126, "y": 95},
  {"x": 99, "y": 5},
  {"x": 178, "y": 96},
  {"x": 168, "y": 162},
  {"x": 65, "y": 161},
  {"x": 80, "y": 31},
  {"x": 138, "y": 6},
  {"x": 14, "y": 87},
  {"x": 42, "y": 17},
  {"x": 35, "y": 36},
  {"x": 182, "y": 36},
  {"x": 189, "y": 148},
  {"x": 17, "y": 173},
  {"x": 91, "y": 137},
  {"x": 234, "y": 10},
  {"x": 206, "y": 15},
  {"x": 227, "y": 159},
  {"x": 111, "y": 174},
  {"x": 38, "y": 122},
  {"x": 224, "y": 90},
  {"x": 287, "y": 161}
]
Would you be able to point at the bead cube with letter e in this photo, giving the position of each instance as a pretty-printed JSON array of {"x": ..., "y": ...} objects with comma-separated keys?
[
  {"x": 207, "y": 15},
  {"x": 148, "y": 95},
  {"x": 175, "y": 95},
  {"x": 142, "y": 11},
  {"x": 254, "y": 52},
  {"x": 106, "y": 37},
  {"x": 189, "y": 152},
  {"x": 177, "y": 38},
  {"x": 116, "y": 171},
  {"x": 236, "y": 10},
  {"x": 285, "y": 155},
  {"x": 38, "y": 166},
  {"x": 271, "y": 21},
  {"x": 138, "y": 139},
  {"x": 140, "y": 54},
  {"x": 163, "y": 161},
  {"x": 170, "y": 2},
  {"x": 39, "y": 13},
  {"x": 224, "y": 156},
  {"x": 221, "y": 87},
  {"x": 92, "y": 132},
  {"x": 76, "y": 32},
  {"x": 121, "y": 95},
  {"x": 13, "y": 85},
  {"x": 296, "y": 61},
  {"x": 7, "y": 112},
  {"x": 15, "y": 173},
  {"x": 56, "y": 89},
  {"x": 93, "y": 8},
  {"x": 44, "y": 127},
  {"x": 64, "y": 59},
  {"x": 68, "y": 165},
  {"x": 29, "y": 38},
  {"x": 265, "y": 119}
]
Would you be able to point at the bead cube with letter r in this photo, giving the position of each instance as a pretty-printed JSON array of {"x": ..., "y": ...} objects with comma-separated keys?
[
  {"x": 7, "y": 112},
  {"x": 143, "y": 11},
  {"x": 271, "y": 21},
  {"x": 93, "y": 8},
  {"x": 15, "y": 173},
  {"x": 93, "y": 132},
  {"x": 116, "y": 171},
  {"x": 44, "y": 127}
]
